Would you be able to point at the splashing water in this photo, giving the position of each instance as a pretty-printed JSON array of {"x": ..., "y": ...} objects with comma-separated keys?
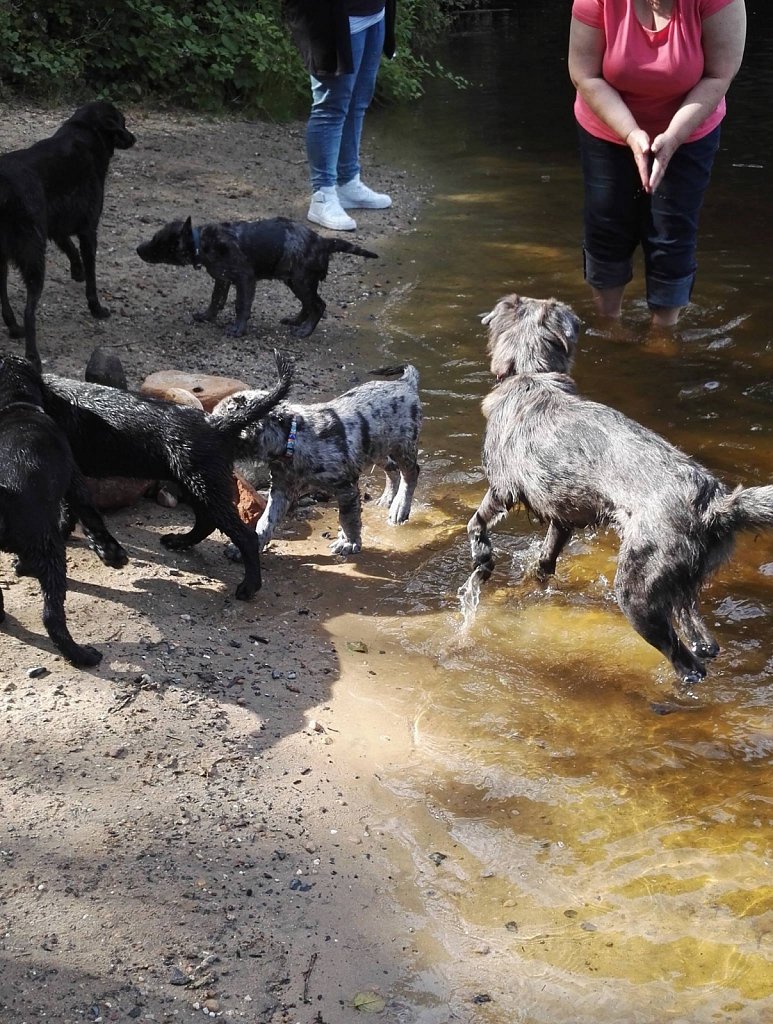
[{"x": 469, "y": 597}]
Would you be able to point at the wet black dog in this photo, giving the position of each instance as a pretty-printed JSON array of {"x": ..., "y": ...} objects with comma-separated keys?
[
  {"x": 40, "y": 485},
  {"x": 55, "y": 189},
  {"x": 574, "y": 463},
  {"x": 118, "y": 433},
  {"x": 245, "y": 252}
]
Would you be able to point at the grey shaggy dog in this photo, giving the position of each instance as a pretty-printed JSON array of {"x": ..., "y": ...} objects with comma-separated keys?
[
  {"x": 243, "y": 252},
  {"x": 326, "y": 446},
  {"x": 572, "y": 463}
]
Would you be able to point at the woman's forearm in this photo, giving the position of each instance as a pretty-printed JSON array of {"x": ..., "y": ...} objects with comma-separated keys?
[
  {"x": 608, "y": 105},
  {"x": 699, "y": 103}
]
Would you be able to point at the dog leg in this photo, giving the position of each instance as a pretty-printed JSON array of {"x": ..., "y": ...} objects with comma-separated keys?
[
  {"x": 641, "y": 598},
  {"x": 490, "y": 511},
  {"x": 70, "y": 250},
  {"x": 701, "y": 642},
  {"x": 245, "y": 294},
  {"x": 216, "y": 303},
  {"x": 9, "y": 319},
  {"x": 349, "y": 540},
  {"x": 78, "y": 506},
  {"x": 392, "y": 483},
  {"x": 276, "y": 509},
  {"x": 554, "y": 543},
  {"x": 400, "y": 508},
  {"x": 52, "y": 576},
  {"x": 88, "y": 244},
  {"x": 203, "y": 526},
  {"x": 312, "y": 306}
]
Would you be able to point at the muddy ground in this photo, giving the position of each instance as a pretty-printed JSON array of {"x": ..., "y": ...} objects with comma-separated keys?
[{"x": 182, "y": 829}]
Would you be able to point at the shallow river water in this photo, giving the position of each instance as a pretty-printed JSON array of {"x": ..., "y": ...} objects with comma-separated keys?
[{"x": 583, "y": 840}]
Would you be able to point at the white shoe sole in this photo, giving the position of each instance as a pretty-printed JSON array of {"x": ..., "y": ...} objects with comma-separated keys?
[
  {"x": 351, "y": 226},
  {"x": 348, "y": 205}
]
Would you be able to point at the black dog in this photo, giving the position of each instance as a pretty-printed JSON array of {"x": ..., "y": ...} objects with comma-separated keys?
[
  {"x": 576, "y": 463},
  {"x": 55, "y": 189},
  {"x": 118, "y": 433},
  {"x": 39, "y": 485},
  {"x": 245, "y": 252}
]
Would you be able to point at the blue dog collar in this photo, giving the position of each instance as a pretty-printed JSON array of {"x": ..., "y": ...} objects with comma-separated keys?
[
  {"x": 290, "y": 448},
  {"x": 196, "y": 232}
]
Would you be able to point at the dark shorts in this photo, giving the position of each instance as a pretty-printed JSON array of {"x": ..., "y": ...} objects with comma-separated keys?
[{"x": 619, "y": 215}]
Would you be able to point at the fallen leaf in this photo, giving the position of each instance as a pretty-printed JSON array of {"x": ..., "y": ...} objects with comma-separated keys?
[
  {"x": 358, "y": 646},
  {"x": 369, "y": 1002}
]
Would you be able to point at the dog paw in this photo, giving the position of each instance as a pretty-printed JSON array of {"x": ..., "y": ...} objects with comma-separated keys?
[
  {"x": 85, "y": 656},
  {"x": 246, "y": 591},
  {"x": 342, "y": 546},
  {"x": 15, "y": 331},
  {"x": 705, "y": 649},
  {"x": 302, "y": 330},
  {"x": 98, "y": 311},
  {"x": 176, "y": 541},
  {"x": 115, "y": 556},
  {"x": 234, "y": 330}
]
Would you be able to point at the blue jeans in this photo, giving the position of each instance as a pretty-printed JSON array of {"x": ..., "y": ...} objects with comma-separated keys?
[
  {"x": 619, "y": 215},
  {"x": 338, "y": 109}
]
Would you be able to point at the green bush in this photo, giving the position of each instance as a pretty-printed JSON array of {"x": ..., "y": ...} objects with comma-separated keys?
[{"x": 213, "y": 55}]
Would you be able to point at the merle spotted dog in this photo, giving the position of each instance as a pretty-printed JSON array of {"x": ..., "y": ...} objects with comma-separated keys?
[
  {"x": 55, "y": 188},
  {"x": 241, "y": 253},
  {"x": 40, "y": 487},
  {"x": 326, "y": 446},
  {"x": 572, "y": 463},
  {"x": 119, "y": 433}
]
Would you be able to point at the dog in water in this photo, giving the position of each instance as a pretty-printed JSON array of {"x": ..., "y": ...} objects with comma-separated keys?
[
  {"x": 55, "y": 189},
  {"x": 241, "y": 253},
  {"x": 326, "y": 446},
  {"x": 572, "y": 462},
  {"x": 40, "y": 488},
  {"x": 119, "y": 433}
]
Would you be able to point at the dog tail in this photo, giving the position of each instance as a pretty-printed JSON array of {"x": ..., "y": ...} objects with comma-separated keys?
[
  {"x": 240, "y": 410},
  {"x": 341, "y": 245},
  {"x": 745, "y": 508},
  {"x": 403, "y": 371}
]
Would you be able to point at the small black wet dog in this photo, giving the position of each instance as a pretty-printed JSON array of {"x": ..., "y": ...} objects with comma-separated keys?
[
  {"x": 40, "y": 487},
  {"x": 327, "y": 445},
  {"x": 55, "y": 189},
  {"x": 574, "y": 463},
  {"x": 245, "y": 252},
  {"x": 118, "y": 433}
]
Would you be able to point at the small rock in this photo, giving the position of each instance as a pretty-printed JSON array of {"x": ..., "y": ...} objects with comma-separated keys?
[
  {"x": 207, "y": 389},
  {"x": 104, "y": 367},
  {"x": 438, "y": 858},
  {"x": 37, "y": 672},
  {"x": 177, "y": 977}
]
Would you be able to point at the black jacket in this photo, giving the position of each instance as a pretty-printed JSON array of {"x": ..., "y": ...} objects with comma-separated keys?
[{"x": 320, "y": 29}]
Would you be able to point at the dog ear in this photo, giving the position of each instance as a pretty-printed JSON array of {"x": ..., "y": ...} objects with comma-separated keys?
[
  {"x": 188, "y": 230},
  {"x": 562, "y": 323}
]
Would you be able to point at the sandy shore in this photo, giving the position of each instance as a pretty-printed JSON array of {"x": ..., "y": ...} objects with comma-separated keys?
[{"x": 188, "y": 829}]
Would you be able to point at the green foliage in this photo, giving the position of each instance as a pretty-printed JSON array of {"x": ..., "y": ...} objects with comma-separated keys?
[{"x": 212, "y": 55}]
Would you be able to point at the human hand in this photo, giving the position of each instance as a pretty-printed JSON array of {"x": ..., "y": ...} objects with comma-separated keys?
[
  {"x": 663, "y": 148},
  {"x": 639, "y": 143}
]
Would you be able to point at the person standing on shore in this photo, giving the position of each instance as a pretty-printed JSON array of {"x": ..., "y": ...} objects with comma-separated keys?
[
  {"x": 341, "y": 43},
  {"x": 651, "y": 78}
]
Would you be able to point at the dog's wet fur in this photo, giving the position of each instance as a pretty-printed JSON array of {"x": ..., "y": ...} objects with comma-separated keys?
[
  {"x": 572, "y": 463},
  {"x": 327, "y": 445},
  {"x": 41, "y": 488},
  {"x": 55, "y": 189},
  {"x": 241, "y": 253},
  {"x": 120, "y": 433}
]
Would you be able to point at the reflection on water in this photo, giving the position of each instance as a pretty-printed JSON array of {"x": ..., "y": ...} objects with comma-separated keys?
[{"x": 589, "y": 842}]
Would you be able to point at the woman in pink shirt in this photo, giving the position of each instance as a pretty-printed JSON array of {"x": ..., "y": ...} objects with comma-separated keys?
[{"x": 651, "y": 78}]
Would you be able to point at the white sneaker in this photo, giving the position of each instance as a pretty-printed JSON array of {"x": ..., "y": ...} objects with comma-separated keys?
[
  {"x": 325, "y": 209},
  {"x": 356, "y": 196}
]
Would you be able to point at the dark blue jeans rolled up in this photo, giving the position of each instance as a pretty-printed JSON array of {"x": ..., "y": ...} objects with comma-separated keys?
[{"x": 619, "y": 215}]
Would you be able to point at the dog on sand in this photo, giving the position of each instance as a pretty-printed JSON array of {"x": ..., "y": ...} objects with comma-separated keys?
[
  {"x": 55, "y": 189},
  {"x": 327, "y": 445},
  {"x": 241, "y": 253},
  {"x": 572, "y": 463},
  {"x": 119, "y": 433},
  {"x": 40, "y": 487}
]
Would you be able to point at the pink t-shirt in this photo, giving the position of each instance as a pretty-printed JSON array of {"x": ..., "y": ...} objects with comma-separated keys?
[{"x": 653, "y": 70}]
